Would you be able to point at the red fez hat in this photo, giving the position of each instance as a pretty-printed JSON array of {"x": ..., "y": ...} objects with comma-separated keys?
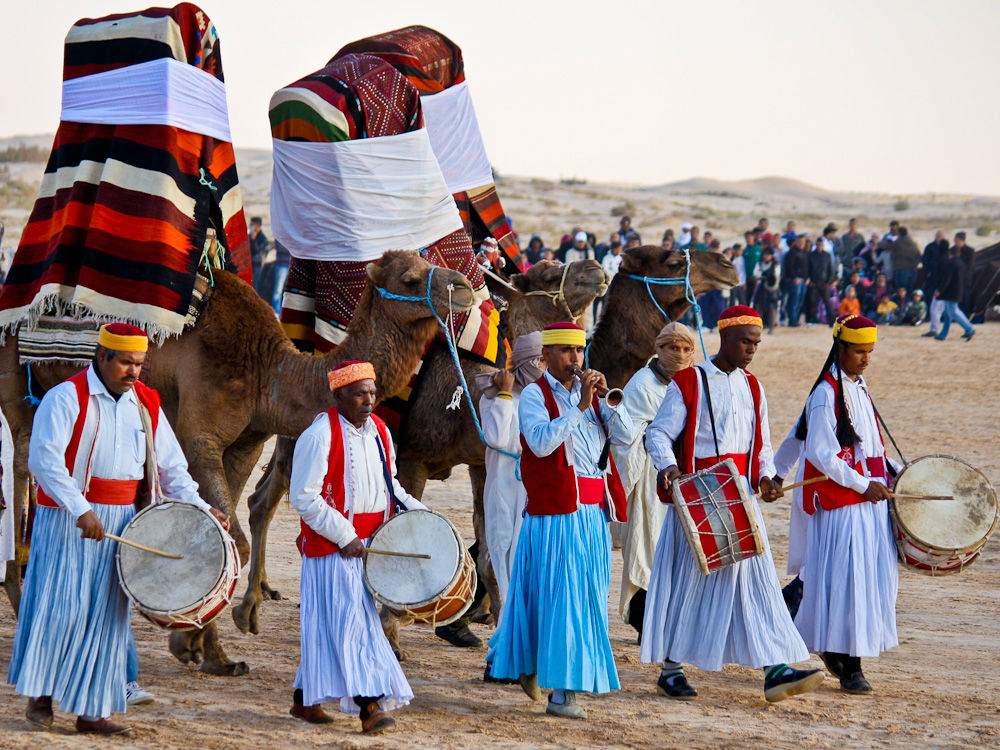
[{"x": 740, "y": 315}]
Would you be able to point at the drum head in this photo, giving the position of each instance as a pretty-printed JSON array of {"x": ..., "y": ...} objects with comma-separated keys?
[
  {"x": 161, "y": 584},
  {"x": 947, "y": 524},
  {"x": 409, "y": 582}
]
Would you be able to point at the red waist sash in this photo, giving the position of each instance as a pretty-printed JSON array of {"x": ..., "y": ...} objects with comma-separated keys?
[
  {"x": 742, "y": 461},
  {"x": 102, "y": 491},
  {"x": 311, "y": 544},
  {"x": 591, "y": 490},
  {"x": 366, "y": 523}
]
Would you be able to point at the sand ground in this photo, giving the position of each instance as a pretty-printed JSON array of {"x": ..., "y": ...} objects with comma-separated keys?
[{"x": 939, "y": 688}]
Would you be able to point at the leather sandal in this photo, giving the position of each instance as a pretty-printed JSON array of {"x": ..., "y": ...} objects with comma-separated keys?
[
  {"x": 101, "y": 726},
  {"x": 378, "y": 721},
  {"x": 39, "y": 711},
  {"x": 312, "y": 714}
]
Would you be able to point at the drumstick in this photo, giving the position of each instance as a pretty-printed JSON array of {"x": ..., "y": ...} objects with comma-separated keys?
[
  {"x": 397, "y": 554},
  {"x": 803, "y": 483},
  {"x": 923, "y": 497},
  {"x": 143, "y": 547}
]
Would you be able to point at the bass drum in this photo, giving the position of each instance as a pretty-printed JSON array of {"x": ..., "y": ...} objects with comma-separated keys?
[{"x": 939, "y": 537}]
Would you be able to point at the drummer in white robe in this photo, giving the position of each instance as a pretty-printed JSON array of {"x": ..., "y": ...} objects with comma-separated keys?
[
  {"x": 88, "y": 453},
  {"x": 343, "y": 486},
  {"x": 644, "y": 393},
  {"x": 736, "y": 614},
  {"x": 848, "y": 608},
  {"x": 504, "y": 496}
]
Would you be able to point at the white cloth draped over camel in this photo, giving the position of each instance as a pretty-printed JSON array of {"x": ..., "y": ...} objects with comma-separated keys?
[
  {"x": 353, "y": 200},
  {"x": 851, "y": 574},
  {"x": 344, "y": 652},
  {"x": 164, "y": 91},
  {"x": 644, "y": 393},
  {"x": 737, "y": 614},
  {"x": 451, "y": 122}
]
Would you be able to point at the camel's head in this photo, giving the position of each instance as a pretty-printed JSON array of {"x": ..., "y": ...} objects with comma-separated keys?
[
  {"x": 404, "y": 273},
  {"x": 708, "y": 270},
  {"x": 581, "y": 283}
]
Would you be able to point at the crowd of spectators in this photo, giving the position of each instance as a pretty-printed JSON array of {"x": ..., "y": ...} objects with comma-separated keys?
[{"x": 793, "y": 276}]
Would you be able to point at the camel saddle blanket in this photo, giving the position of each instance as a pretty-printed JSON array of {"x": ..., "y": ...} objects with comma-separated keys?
[
  {"x": 433, "y": 64},
  {"x": 120, "y": 222},
  {"x": 352, "y": 98}
]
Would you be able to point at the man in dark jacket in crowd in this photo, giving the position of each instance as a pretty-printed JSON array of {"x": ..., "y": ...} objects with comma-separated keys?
[
  {"x": 950, "y": 288},
  {"x": 935, "y": 254},
  {"x": 795, "y": 271},
  {"x": 258, "y": 252},
  {"x": 905, "y": 260},
  {"x": 968, "y": 257},
  {"x": 820, "y": 265}
]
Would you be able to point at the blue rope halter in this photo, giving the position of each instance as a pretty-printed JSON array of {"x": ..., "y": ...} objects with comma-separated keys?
[
  {"x": 650, "y": 281},
  {"x": 450, "y": 338}
]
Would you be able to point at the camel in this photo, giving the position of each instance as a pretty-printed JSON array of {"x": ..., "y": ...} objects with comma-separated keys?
[
  {"x": 234, "y": 379},
  {"x": 534, "y": 302}
]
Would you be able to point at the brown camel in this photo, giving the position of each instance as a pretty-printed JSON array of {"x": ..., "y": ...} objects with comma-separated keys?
[
  {"x": 581, "y": 283},
  {"x": 235, "y": 379}
]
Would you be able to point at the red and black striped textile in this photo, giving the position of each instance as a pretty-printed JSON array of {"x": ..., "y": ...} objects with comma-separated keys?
[{"x": 119, "y": 225}]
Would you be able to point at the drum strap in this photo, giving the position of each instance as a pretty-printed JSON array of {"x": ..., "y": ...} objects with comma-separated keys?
[
  {"x": 152, "y": 477},
  {"x": 886, "y": 428},
  {"x": 397, "y": 506},
  {"x": 711, "y": 413}
]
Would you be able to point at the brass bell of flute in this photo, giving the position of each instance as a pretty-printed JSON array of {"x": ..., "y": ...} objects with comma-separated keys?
[{"x": 612, "y": 396}]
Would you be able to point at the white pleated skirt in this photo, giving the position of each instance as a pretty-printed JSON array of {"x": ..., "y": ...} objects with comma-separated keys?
[
  {"x": 344, "y": 652},
  {"x": 735, "y": 615},
  {"x": 851, "y": 579},
  {"x": 503, "y": 502},
  {"x": 798, "y": 528},
  {"x": 72, "y": 634}
]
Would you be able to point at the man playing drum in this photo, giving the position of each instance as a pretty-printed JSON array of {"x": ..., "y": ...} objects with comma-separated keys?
[
  {"x": 88, "y": 453},
  {"x": 343, "y": 486},
  {"x": 643, "y": 395},
  {"x": 554, "y": 629},
  {"x": 850, "y": 576},
  {"x": 735, "y": 614}
]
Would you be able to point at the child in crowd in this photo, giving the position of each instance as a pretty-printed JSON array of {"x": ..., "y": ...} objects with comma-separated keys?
[
  {"x": 886, "y": 309},
  {"x": 915, "y": 311},
  {"x": 850, "y": 305}
]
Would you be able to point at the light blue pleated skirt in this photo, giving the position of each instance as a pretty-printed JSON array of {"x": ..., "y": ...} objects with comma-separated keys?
[
  {"x": 72, "y": 635},
  {"x": 344, "y": 651},
  {"x": 851, "y": 578},
  {"x": 735, "y": 615},
  {"x": 555, "y": 619}
]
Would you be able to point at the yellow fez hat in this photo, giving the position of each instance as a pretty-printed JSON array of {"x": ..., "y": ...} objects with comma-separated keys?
[
  {"x": 855, "y": 329},
  {"x": 561, "y": 334},
  {"x": 122, "y": 337},
  {"x": 350, "y": 372}
]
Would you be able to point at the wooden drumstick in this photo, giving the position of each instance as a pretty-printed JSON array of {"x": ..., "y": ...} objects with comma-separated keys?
[
  {"x": 143, "y": 547},
  {"x": 922, "y": 497},
  {"x": 397, "y": 554},
  {"x": 803, "y": 483}
]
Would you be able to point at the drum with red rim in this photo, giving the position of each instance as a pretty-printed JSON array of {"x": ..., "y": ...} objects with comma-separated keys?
[
  {"x": 939, "y": 537},
  {"x": 718, "y": 517},
  {"x": 180, "y": 594}
]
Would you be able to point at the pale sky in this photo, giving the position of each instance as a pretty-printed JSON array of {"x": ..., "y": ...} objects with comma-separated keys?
[{"x": 898, "y": 96}]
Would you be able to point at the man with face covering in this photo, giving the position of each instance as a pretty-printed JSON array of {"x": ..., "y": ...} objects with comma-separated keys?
[
  {"x": 735, "y": 615},
  {"x": 643, "y": 396},
  {"x": 504, "y": 496}
]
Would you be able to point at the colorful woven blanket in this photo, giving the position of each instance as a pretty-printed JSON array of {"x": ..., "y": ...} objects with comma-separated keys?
[
  {"x": 356, "y": 97},
  {"x": 433, "y": 63},
  {"x": 120, "y": 222}
]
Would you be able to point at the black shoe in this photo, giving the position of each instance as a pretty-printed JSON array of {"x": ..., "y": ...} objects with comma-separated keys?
[
  {"x": 929, "y": 334},
  {"x": 677, "y": 688},
  {"x": 968, "y": 336},
  {"x": 487, "y": 677},
  {"x": 458, "y": 635},
  {"x": 792, "y": 594},
  {"x": 791, "y": 682},
  {"x": 834, "y": 663},
  {"x": 855, "y": 683}
]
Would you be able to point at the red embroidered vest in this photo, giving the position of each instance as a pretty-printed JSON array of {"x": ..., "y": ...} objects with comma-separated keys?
[
  {"x": 551, "y": 483},
  {"x": 313, "y": 544},
  {"x": 830, "y": 494},
  {"x": 105, "y": 491},
  {"x": 689, "y": 383}
]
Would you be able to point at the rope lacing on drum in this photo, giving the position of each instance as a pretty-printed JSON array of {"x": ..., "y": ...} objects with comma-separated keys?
[{"x": 716, "y": 498}]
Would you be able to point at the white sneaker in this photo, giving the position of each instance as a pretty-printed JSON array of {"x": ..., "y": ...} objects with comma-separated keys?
[{"x": 135, "y": 695}]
